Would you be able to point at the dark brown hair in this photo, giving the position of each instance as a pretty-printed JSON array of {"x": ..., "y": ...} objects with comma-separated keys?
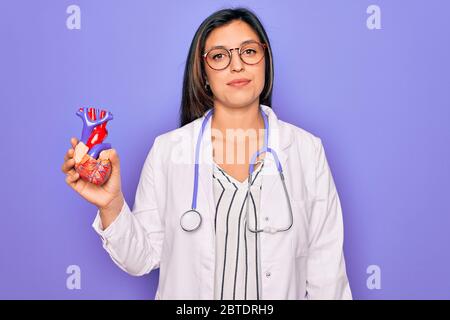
[{"x": 196, "y": 99}]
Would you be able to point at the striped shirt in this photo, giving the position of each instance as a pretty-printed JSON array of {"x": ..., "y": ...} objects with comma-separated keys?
[{"x": 237, "y": 251}]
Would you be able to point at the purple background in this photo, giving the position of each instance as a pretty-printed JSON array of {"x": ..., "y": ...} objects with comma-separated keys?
[{"x": 379, "y": 99}]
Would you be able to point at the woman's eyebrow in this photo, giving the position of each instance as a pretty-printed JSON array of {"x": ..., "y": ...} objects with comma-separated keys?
[{"x": 243, "y": 42}]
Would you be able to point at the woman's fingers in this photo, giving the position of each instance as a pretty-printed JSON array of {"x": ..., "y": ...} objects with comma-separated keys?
[
  {"x": 67, "y": 165},
  {"x": 74, "y": 142},
  {"x": 72, "y": 177},
  {"x": 71, "y": 151},
  {"x": 69, "y": 154},
  {"x": 69, "y": 162}
]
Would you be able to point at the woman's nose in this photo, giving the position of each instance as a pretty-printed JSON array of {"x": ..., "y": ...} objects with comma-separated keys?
[{"x": 236, "y": 63}]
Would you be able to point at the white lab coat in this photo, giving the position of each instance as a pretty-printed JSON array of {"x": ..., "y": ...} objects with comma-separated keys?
[{"x": 305, "y": 262}]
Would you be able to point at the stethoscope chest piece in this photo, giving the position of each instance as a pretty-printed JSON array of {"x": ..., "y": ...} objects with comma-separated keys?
[{"x": 191, "y": 220}]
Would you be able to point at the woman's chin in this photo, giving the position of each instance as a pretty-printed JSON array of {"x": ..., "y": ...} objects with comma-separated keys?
[{"x": 239, "y": 100}]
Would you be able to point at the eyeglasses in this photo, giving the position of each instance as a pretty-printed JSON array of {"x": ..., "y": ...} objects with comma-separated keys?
[{"x": 219, "y": 58}]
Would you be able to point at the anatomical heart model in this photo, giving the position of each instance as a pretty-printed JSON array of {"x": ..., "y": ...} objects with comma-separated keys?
[{"x": 89, "y": 163}]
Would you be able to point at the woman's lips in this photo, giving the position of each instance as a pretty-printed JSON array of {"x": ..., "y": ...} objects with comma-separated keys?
[{"x": 239, "y": 83}]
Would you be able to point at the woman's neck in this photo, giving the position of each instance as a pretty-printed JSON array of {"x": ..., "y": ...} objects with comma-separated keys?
[
  {"x": 236, "y": 133},
  {"x": 244, "y": 118}
]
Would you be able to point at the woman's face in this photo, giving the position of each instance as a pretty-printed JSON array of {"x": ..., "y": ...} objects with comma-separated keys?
[{"x": 232, "y": 36}]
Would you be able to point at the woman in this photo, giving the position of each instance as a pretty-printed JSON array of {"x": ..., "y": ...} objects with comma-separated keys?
[{"x": 250, "y": 232}]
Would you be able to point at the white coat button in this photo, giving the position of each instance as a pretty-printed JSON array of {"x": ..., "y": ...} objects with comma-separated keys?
[
  {"x": 268, "y": 274},
  {"x": 266, "y": 218}
]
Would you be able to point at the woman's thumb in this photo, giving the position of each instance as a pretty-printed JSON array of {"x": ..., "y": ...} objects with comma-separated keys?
[{"x": 112, "y": 155}]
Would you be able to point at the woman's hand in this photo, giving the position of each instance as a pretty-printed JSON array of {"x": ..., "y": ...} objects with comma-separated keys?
[{"x": 107, "y": 197}]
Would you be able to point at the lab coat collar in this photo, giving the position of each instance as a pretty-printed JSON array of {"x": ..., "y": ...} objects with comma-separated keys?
[{"x": 280, "y": 139}]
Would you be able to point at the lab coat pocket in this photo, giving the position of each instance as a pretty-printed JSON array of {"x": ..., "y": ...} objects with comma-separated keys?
[
  {"x": 300, "y": 227},
  {"x": 300, "y": 246}
]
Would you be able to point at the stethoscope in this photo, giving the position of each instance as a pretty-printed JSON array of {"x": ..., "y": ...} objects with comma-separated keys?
[{"x": 192, "y": 219}]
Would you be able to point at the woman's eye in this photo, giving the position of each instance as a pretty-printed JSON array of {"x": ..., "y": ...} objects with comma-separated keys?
[
  {"x": 249, "y": 52},
  {"x": 217, "y": 56}
]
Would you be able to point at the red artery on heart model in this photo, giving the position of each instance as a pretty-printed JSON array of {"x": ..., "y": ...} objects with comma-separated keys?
[
  {"x": 99, "y": 133},
  {"x": 93, "y": 165}
]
